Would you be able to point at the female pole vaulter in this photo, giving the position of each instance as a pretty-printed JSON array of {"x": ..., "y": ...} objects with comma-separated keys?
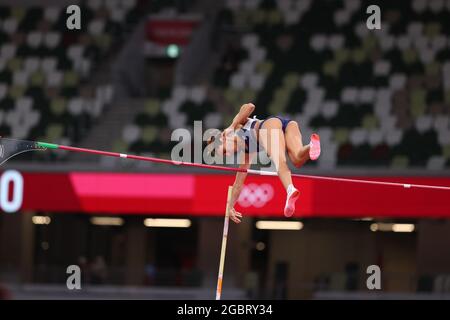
[{"x": 277, "y": 136}]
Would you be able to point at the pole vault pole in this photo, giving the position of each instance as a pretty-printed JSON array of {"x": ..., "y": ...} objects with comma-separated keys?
[{"x": 224, "y": 245}]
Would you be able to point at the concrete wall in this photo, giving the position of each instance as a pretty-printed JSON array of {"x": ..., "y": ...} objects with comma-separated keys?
[
  {"x": 326, "y": 248},
  {"x": 237, "y": 258},
  {"x": 434, "y": 247}
]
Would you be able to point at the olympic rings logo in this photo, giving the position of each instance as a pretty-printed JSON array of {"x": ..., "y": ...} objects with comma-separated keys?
[{"x": 255, "y": 195}]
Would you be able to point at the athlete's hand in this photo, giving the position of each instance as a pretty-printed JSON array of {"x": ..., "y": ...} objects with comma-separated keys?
[
  {"x": 235, "y": 216},
  {"x": 228, "y": 132}
]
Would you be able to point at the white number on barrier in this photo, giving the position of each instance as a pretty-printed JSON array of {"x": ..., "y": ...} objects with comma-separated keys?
[{"x": 11, "y": 178}]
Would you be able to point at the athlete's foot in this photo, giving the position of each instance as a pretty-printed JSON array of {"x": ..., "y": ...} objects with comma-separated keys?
[
  {"x": 292, "y": 196},
  {"x": 314, "y": 147}
]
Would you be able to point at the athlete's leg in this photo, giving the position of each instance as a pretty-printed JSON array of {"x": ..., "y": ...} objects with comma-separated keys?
[
  {"x": 271, "y": 138},
  {"x": 298, "y": 153}
]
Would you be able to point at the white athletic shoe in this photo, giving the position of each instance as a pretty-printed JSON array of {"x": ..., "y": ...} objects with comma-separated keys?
[{"x": 291, "y": 198}]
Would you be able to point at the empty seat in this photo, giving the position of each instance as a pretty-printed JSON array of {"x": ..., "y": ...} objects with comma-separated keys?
[
  {"x": 336, "y": 41},
  {"x": 237, "y": 81},
  {"x": 393, "y": 137},
  {"x": 249, "y": 41},
  {"x": 341, "y": 17},
  {"x": 96, "y": 27},
  {"x": 436, "y": 163},
  {"x": 10, "y": 25},
  {"x": 3, "y": 90},
  {"x": 213, "y": 120},
  {"x": 51, "y": 13},
  {"x": 256, "y": 81},
  {"x": 419, "y": 5},
  {"x": 20, "y": 78},
  {"x": 318, "y": 42},
  {"x": 8, "y": 51},
  {"x": 75, "y": 52},
  {"x": 75, "y": 106},
  {"x": 52, "y": 39},
  {"x": 48, "y": 64},
  {"x": 349, "y": 95},
  {"x": 198, "y": 94},
  {"x": 330, "y": 109},
  {"x": 34, "y": 39},
  {"x": 54, "y": 78},
  {"x": 424, "y": 123},
  {"x": 94, "y": 4},
  {"x": 131, "y": 133}
]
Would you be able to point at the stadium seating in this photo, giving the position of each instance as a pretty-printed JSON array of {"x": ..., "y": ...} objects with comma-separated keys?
[
  {"x": 377, "y": 97},
  {"x": 45, "y": 92}
]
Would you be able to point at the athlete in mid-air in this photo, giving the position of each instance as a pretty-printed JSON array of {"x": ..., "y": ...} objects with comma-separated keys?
[{"x": 276, "y": 135}]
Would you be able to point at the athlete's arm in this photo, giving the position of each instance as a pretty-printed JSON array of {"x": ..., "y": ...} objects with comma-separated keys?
[
  {"x": 241, "y": 118},
  {"x": 237, "y": 187}
]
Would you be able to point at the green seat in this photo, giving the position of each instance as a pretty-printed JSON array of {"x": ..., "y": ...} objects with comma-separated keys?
[
  {"x": 259, "y": 16},
  {"x": 227, "y": 119},
  {"x": 409, "y": 56},
  {"x": 37, "y": 79},
  {"x": 418, "y": 102},
  {"x": 103, "y": 41},
  {"x": 242, "y": 18},
  {"x": 18, "y": 13},
  {"x": 247, "y": 95},
  {"x": 291, "y": 80},
  {"x": 149, "y": 134},
  {"x": 276, "y": 107},
  {"x": 120, "y": 146},
  {"x": 400, "y": 162},
  {"x": 281, "y": 96},
  {"x": 274, "y": 17},
  {"x": 58, "y": 106},
  {"x": 370, "y": 122},
  {"x": 331, "y": 68},
  {"x": 164, "y": 155},
  {"x": 433, "y": 68},
  {"x": 359, "y": 56},
  {"x": 432, "y": 29},
  {"x": 16, "y": 92},
  {"x": 70, "y": 79},
  {"x": 231, "y": 95},
  {"x": 446, "y": 151},
  {"x": 265, "y": 67},
  {"x": 14, "y": 64},
  {"x": 54, "y": 132},
  {"x": 369, "y": 43},
  {"x": 341, "y": 55},
  {"x": 152, "y": 107},
  {"x": 447, "y": 97},
  {"x": 341, "y": 136},
  {"x": 237, "y": 105}
]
